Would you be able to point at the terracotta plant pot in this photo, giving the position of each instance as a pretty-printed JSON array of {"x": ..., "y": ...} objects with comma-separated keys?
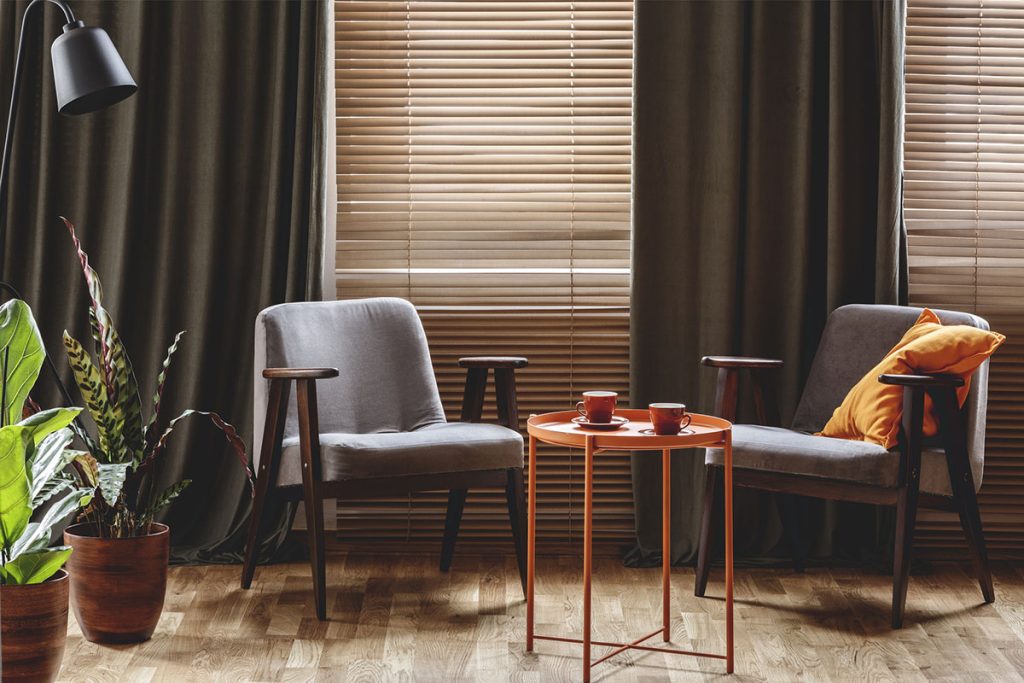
[
  {"x": 33, "y": 628},
  {"x": 117, "y": 584}
]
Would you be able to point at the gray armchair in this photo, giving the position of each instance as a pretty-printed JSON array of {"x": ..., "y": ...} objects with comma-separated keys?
[
  {"x": 944, "y": 473},
  {"x": 379, "y": 428}
]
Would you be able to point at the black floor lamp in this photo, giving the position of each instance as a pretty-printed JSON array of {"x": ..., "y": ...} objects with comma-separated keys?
[{"x": 88, "y": 74}]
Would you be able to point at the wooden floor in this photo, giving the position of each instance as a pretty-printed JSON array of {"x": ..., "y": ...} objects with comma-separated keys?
[{"x": 396, "y": 618}]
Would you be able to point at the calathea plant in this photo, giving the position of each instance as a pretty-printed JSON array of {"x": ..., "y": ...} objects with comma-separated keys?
[
  {"x": 34, "y": 457},
  {"x": 125, "y": 451}
]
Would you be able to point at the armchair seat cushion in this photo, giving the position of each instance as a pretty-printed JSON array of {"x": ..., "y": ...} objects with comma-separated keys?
[
  {"x": 774, "y": 449},
  {"x": 432, "y": 449}
]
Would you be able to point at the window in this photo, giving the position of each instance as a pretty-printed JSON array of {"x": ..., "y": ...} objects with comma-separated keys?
[
  {"x": 483, "y": 152},
  {"x": 964, "y": 206}
]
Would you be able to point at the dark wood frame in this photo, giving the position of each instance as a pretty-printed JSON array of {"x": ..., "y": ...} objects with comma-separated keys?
[
  {"x": 906, "y": 496},
  {"x": 313, "y": 489}
]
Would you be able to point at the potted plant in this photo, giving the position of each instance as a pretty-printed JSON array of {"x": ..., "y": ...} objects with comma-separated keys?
[
  {"x": 119, "y": 567},
  {"x": 36, "y": 497}
]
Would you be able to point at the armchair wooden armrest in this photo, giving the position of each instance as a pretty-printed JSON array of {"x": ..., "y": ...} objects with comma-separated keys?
[
  {"x": 726, "y": 392},
  {"x": 477, "y": 368},
  {"x": 923, "y": 381},
  {"x": 300, "y": 373},
  {"x": 740, "y": 362},
  {"x": 493, "y": 362}
]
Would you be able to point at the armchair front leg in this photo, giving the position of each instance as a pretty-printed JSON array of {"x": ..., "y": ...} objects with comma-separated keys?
[
  {"x": 270, "y": 455},
  {"x": 953, "y": 430},
  {"x": 911, "y": 443}
]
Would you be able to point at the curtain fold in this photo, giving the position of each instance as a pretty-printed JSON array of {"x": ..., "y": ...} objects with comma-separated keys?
[
  {"x": 766, "y": 192},
  {"x": 201, "y": 200}
]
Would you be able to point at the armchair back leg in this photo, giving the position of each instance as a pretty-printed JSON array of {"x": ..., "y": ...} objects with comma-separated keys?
[
  {"x": 789, "y": 513},
  {"x": 452, "y": 519},
  {"x": 961, "y": 481},
  {"x": 516, "y": 496},
  {"x": 712, "y": 492},
  {"x": 970, "y": 519},
  {"x": 312, "y": 483},
  {"x": 266, "y": 477}
]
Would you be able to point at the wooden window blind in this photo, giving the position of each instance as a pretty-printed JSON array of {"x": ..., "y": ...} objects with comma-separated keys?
[
  {"x": 964, "y": 207},
  {"x": 483, "y": 170}
]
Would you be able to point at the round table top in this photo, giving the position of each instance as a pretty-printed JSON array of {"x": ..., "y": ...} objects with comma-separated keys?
[{"x": 636, "y": 435}]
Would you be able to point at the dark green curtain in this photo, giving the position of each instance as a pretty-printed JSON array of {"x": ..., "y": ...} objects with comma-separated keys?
[
  {"x": 201, "y": 200},
  {"x": 767, "y": 186}
]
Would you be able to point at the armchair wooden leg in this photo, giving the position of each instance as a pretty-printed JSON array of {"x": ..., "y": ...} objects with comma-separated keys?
[
  {"x": 309, "y": 448},
  {"x": 712, "y": 491},
  {"x": 906, "y": 516},
  {"x": 266, "y": 477},
  {"x": 452, "y": 519},
  {"x": 789, "y": 513},
  {"x": 517, "y": 518},
  {"x": 961, "y": 481},
  {"x": 966, "y": 502}
]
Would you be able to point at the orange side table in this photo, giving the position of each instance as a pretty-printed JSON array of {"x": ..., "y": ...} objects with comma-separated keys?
[{"x": 557, "y": 428}]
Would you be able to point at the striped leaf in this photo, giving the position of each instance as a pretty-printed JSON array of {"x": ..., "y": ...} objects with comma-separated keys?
[
  {"x": 94, "y": 393},
  {"x": 158, "y": 395},
  {"x": 163, "y": 500}
]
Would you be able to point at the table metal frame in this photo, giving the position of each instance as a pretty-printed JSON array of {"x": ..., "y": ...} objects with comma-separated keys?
[{"x": 593, "y": 442}]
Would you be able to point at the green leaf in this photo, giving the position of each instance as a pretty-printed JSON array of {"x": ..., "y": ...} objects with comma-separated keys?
[
  {"x": 35, "y": 567},
  {"x": 15, "y": 501},
  {"x": 38, "y": 534},
  {"x": 46, "y": 463},
  {"x": 22, "y": 344},
  {"x": 111, "y": 480},
  {"x": 46, "y": 422}
]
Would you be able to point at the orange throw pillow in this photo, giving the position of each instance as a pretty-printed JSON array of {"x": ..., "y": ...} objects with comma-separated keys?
[{"x": 872, "y": 411}]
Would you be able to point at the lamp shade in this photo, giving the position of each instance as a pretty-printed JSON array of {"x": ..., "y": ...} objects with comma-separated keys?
[{"x": 88, "y": 72}]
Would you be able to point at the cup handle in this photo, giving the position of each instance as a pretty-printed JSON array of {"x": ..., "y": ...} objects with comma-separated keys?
[
  {"x": 580, "y": 409},
  {"x": 689, "y": 418}
]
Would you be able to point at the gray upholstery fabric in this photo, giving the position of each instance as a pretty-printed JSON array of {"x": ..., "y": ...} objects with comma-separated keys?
[
  {"x": 385, "y": 397},
  {"x": 783, "y": 450},
  {"x": 432, "y": 449},
  {"x": 855, "y": 339}
]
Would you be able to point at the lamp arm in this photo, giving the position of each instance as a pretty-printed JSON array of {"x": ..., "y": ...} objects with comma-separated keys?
[{"x": 12, "y": 114}]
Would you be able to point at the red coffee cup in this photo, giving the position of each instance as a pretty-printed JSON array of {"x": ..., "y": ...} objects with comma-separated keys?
[
  {"x": 668, "y": 418},
  {"x": 597, "y": 406}
]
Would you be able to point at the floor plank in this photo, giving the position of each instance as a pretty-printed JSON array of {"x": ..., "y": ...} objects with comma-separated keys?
[{"x": 394, "y": 617}]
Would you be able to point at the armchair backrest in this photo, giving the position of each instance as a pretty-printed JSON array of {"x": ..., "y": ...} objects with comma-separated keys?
[
  {"x": 386, "y": 381},
  {"x": 855, "y": 339}
]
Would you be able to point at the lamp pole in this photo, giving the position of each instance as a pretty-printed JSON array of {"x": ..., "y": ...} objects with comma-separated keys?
[{"x": 88, "y": 74}]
